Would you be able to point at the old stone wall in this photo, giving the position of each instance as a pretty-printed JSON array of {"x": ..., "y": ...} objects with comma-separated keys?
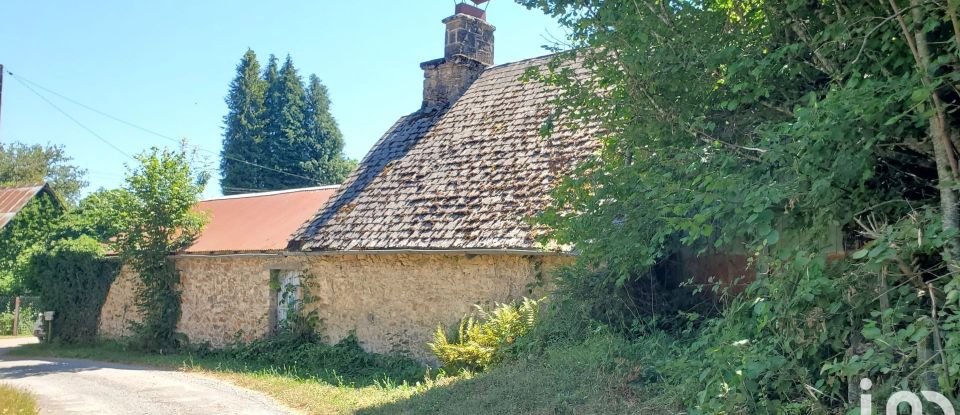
[
  {"x": 119, "y": 310},
  {"x": 393, "y": 302}
]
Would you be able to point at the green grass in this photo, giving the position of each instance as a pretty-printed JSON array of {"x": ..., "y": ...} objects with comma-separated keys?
[
  {"x": 13, "y": 401},
  {"x": 587, "y": 378}
]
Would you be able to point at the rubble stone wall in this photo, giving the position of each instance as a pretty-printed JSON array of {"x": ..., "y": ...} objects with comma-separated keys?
[{"x": 393, "y": 302}]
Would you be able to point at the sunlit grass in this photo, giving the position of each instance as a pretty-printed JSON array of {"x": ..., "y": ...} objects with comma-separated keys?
[{"x": 14, "y": 401}]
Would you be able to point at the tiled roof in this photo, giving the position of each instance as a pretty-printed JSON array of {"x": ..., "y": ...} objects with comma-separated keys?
[
  {"x": 12, "y": 199},
  {"x": 257, "y": 221},
  {"x": 464, "y": 177}
]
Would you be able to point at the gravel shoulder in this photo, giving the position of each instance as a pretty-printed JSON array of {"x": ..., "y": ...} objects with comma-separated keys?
[{"x": 71, "y": 386}]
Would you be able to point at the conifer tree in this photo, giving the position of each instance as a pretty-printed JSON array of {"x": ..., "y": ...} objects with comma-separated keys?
[
  {"x": 284, "y": 132},
  {"x": 243, "y": 131},
  {"x": 327, "y": 163}
]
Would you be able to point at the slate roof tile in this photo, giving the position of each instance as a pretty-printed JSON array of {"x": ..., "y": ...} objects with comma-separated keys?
[{"x": 467, "y": 176}]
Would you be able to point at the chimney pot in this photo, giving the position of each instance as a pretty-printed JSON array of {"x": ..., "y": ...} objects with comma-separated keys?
[{"x": 464, "y": 8}]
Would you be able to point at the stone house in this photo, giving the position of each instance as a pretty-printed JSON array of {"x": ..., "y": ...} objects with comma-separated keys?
[
  {"x": 436, "y": 217},
  {"x": 225, "y": 276}
]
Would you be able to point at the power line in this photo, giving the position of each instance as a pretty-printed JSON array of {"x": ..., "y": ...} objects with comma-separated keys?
[
  {"x": 22, "y": 80},
  {"x": 94, "y": 133}
]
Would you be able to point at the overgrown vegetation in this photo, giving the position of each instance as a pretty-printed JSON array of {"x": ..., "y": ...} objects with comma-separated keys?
[
  {"x": 74, "y": 277},
  {"x": 16, "y": 402},
  {"x": 483, "y": 339},
  {"x": 600, "y": 374},
  {"x": 156, "y": 219},
  {"x": 773, "y": 129},
  {"x": 24, "y": 235}
]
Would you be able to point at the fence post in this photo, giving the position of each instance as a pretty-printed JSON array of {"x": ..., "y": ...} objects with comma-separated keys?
[{"x": 16, "y": 316}]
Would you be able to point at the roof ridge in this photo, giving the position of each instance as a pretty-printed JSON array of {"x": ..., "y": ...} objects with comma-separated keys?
[
  {"x": 526, "y": 60},
  {"x": 273, "y": 192}
]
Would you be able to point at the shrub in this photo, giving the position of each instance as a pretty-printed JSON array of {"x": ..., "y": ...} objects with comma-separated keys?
[
  {"x": 342, "y": 363},
  {"x": 482, "y": 340},
  {"x": 28, "y": 316},
  {"x": 73, "y": 279}
]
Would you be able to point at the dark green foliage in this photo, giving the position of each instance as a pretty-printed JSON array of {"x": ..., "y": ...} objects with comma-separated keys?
[
  {"x": 326, "y": 161},
  {"x": 22, "y": 164},
  {"x": 243, "y": 129},
  {"x": 72, "y": 277},
  {"x": 22, "y": 237},
  {"x": 772, "y": 129},
  {"x": 279, "y": 134},
  {"x": 98, "y": 216},
  {"x": 344, "y": 362},
  {"x": 285, "y": 125}
]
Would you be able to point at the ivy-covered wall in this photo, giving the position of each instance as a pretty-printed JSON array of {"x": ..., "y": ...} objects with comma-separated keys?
[{"x": 27, "y": 231}]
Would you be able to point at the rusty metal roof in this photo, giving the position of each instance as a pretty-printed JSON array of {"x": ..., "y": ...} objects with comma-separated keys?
[
  {"x": 257, "y": 221},
  {"x": 12, "y": 199}
]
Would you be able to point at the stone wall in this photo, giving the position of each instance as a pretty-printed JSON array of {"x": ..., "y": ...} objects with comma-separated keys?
[
  {"x": 393, "y": 302},
  {"x": 119, "y": 310}
]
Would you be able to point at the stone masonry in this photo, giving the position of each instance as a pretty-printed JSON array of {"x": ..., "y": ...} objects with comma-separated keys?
[{"x": 394, "y": 302}]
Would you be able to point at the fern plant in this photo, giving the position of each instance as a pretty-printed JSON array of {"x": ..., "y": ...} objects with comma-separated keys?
[{"x": 482, "y": 338}]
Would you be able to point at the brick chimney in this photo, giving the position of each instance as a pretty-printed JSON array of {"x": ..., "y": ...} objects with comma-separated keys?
[{"x": 467, "y": 52}]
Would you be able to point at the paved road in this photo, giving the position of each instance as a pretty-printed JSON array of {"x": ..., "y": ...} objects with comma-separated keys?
[{"x": 69, "y": 386}]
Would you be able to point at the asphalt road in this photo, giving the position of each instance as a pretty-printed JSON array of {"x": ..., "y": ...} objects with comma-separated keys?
[{"x": 69, "y": 386}]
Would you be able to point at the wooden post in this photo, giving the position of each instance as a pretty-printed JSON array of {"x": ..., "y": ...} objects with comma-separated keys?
[{"x": 16, "y": 316}]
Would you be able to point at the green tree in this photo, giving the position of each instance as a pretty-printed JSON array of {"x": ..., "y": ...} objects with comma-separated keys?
[
  {"x": 765, "y": 127},
  {"x": 286, "y": 110},
  {"x": 157, "y": 219},
  {"x": 22, "y": 164},
  {"x": 23, "y": 236},
  {"x": 243, "y": 129},
  {"x": 325, "y": 142},
  {"x": 285, "y": 140},
  {"x": 97, "y": 216}
]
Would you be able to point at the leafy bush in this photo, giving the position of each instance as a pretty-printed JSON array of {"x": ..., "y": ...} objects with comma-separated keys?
[
  {"x": 28, "y": 316},
  {"x": 73, "y": 278},
  {"x": 482, "y": 340}
]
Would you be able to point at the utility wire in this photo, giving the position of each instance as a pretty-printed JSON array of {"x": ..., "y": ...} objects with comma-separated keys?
[
  {"x": 23, "y": 81},
  {"x": 94, "y": 133}
]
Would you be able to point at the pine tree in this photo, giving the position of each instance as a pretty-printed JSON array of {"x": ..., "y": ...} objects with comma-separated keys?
[
  {"x": 243, "y": 131},
  {"x": 283, "y": 133},
  {"x": 325, "y": 146},
  {"x": 286, "y": 119}
]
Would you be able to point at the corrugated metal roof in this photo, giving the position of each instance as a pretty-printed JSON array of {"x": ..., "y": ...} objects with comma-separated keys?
[
  {"x": 12, "y": 199},
  {"x": 257, "y": 221}
]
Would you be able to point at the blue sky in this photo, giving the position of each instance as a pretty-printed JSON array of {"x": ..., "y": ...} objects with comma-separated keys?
[{"x": 166, "y": 66}]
